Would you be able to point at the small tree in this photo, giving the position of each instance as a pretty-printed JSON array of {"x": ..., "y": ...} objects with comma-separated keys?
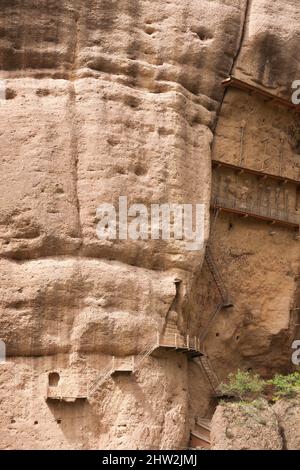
[
  {"x": 286, "y": 385},
  {"x": 243, "y": 385}
]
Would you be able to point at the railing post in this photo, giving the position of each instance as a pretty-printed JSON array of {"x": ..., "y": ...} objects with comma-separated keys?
[{"x": 188, "y": 341}]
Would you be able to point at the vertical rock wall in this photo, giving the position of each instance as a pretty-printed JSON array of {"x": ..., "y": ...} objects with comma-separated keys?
[{"x": 120, "y": 98}]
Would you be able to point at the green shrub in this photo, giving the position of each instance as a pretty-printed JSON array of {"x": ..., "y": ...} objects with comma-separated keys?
[
  {"x": 285, "y": 385},
  {"x": 243, "y": 385}
]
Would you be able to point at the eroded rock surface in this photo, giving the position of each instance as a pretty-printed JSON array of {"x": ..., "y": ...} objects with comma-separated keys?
[
  {"x": 245, "y": 426},
  {"x": 107, "y": 99},
  {"x": 257, "y": 425},
  {"x": 288, "y": 413}
]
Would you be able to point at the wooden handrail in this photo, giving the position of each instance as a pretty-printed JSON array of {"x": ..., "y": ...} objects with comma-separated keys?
[{"x": 268, "y": 214}]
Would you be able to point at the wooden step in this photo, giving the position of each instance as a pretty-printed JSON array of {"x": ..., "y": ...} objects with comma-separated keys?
[
  {"x": 200, "y": 435},
  {"x": 198, "y": 442},
  {"x": 204, "y": 422},
  {"x": 202, "y": 432}
]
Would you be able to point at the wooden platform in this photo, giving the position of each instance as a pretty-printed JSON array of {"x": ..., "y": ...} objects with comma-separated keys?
[
  {"x": 245, "y": 86},
  {"x": 171, "y": 340},
  {"x": 262, "y": 214},
  {"x": 260, "y": 174},
  {"x": 189, "y": 352},
  {"x": 174, "y": 341},
  {"x": 68, "y": 399},
  {"x": 125, "y": 370}
]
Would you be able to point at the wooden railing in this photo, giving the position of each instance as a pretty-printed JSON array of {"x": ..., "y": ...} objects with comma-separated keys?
[
  {"x": 132, "y": 364},
  {"x": 252, "y": 209},
  {"x": 178, "y": 341}
]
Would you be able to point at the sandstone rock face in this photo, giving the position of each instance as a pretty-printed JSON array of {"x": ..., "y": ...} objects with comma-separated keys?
[
  {"x": 257, "y": 426},
  {"x": 259, "y": 263},
  {"x": 239, "y": 426},
  {"x": 288, "y": 413},
  {"x": 106, "y": 99}
]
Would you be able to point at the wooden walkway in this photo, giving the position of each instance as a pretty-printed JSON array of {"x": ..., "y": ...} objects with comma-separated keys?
[
  {"x": 63, "y": 393},
  {"x": 171, "y": 340},
  {"x": 245, "y": 86},
  {"x": 267, "y": 214},
  {"x": 261, "y": 174}
]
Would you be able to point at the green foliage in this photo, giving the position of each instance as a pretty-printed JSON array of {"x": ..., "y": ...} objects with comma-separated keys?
[
  {"x": 243, "y": 385},
  {"x": 286, "y": 385},
  {"x": 247, "y": 386}
]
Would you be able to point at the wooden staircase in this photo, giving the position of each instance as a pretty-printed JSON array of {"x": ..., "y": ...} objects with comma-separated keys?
[
  {"x": 209, "y": 258},
  {"x": 210, "y": 375},
  {"x": 120, "y": 366},
  {"x": 210, "y": 321},
  {"x": 225, "y": 298},
  {"x": 172, "y": 339},
  {"x": 200, "y": 435},
  {"x": 225, "y": 302}
]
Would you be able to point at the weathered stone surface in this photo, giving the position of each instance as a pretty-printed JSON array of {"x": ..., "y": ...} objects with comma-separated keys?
[
  {"x": 107, "y": 99},
  {"x": 39, "y": 216},
  {"x": 257, "y": 426},
  {"x": 269, "y": 53},
  {"x": 288, "y": 414},
  {"x": 54, "y": 306},
  {"x": 245, "y": 427}
]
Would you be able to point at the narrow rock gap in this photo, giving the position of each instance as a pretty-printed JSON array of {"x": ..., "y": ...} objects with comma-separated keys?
[
  {"x": 74, "y": 151},
  {"x": 235, "y": 59},
  {"x": 175, "y": 305},
  {"x": 74, "y": 121},
  {"x": 282, "y": 434}
]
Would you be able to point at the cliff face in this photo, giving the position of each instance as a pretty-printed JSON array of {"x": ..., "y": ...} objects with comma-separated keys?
[
  {"x": 245, "y": 427},
  {"x": 105, "y": 99},
  {"x": 257, "y": 426}
]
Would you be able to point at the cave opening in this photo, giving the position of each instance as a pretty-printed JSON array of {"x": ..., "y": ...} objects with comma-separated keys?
[{"x": 53, "y": 379}]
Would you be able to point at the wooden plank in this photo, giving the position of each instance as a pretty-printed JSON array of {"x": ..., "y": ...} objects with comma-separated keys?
[{"x": 198, "y": 442}]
